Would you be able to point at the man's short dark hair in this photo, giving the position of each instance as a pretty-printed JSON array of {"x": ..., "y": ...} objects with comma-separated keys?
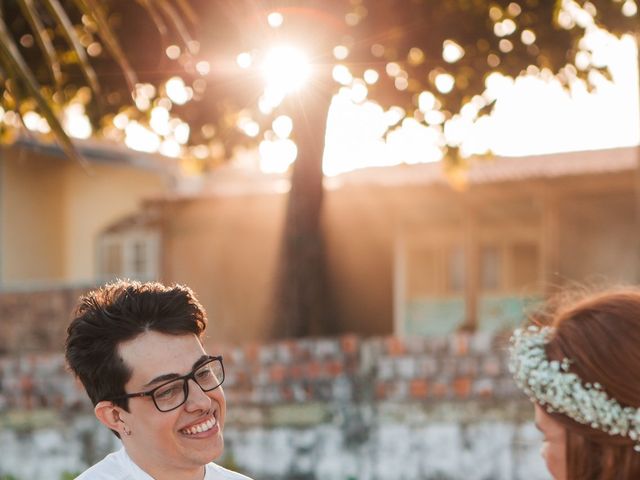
[{"x": 119, "y": 312}]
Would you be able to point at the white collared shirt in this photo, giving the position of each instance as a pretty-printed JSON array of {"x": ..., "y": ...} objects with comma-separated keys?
[{"x": 119, "y": 466}]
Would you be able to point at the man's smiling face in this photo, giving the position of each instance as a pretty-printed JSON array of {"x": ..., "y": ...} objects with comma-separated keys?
[{"x": 174, "y": 444}]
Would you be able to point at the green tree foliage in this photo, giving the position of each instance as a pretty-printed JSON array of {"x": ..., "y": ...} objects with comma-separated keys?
[{"x": 405, "y": 41}]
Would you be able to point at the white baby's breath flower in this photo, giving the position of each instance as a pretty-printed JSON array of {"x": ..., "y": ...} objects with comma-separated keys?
[{"x": 552, "y": 385}]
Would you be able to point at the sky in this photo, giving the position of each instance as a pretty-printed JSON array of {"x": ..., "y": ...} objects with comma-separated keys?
[{"x": 533, "y": 115}]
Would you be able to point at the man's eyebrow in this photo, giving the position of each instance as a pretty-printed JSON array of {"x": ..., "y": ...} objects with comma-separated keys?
[
  {"x": 172, "y": 376},
  {"x": 161, "y": 378},
  {"x": 203, "y": 358}
]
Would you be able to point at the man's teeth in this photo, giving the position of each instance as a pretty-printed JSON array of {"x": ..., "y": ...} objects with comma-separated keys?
[{"x": 201, "y": 427}]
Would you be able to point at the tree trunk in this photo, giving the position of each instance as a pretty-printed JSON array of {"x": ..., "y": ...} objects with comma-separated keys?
[
  {"x": 637, "y": 173},
  {"x": 302, "y": 299}
]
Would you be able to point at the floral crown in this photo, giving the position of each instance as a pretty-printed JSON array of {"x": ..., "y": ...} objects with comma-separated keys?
[{"x": 553, "y": 386}]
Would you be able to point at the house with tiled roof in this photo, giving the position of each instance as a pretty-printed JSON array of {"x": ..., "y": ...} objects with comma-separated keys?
[
  {"x": 55, "y": 240},
  {"x": 407, "y": 253},
  {"x": 52, "y": 209}
]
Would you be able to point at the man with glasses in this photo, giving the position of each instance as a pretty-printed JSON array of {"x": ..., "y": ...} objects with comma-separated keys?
[{"x": 136, "y": 348}]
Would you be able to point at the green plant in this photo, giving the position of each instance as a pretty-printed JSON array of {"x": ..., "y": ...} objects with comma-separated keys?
[{"x": 69, "y": 475}]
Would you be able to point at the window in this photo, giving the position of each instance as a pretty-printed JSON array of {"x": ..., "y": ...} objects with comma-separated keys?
[
  {"x": 112, "y": 258},
  {"x": 490, "y": 267},
  {"x": 524, "y": 265},
  {"x": 455, "y": 271},
  {"x": 435, "y": 270},
  {"x": 423, "y": 273},
  {"x": 509, "y": 266},
  {"x": 132, "y": 255},
  {"x": 139, "y": 260},
  {"x": 434, "y": 301}
]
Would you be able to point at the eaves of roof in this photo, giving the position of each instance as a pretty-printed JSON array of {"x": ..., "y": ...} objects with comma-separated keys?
[{"x": 102, "y": 152}]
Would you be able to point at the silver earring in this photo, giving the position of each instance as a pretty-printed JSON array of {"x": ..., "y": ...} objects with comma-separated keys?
[{"x": 126, "y": 431}]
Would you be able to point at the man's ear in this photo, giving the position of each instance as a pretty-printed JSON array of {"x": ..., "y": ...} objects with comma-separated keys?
[{"x": 110, "y": 415}]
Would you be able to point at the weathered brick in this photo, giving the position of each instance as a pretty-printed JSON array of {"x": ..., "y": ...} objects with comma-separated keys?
[
  {"x": 415, "y": 345},
  {"x": 459, "y": 343},
  {"x": 303, "y": 349},
  {"x": 398, "y": 390},
  {"x": 440, "y": 389},
  {"x": 436, "y": 345},
  {"x": 448, "y": 367},
  {"x": 426, "y": 366},
  {"x": 278, "y": 373},
  {"x": 350, "y": 344},
  {"x": 266, "y": 354},
  {"x": 395, "y": 347},
  {"x": 384, "y": 368},
  {"x": 286, "y": 393},
  {"x": 375, "y": 346},
  {"x": 483, "y": 387},
  {"x": 325, "y": 349},
  {"x": 492, "y": 366},
  {"x": 462, "y": 387},
  {"x": 419, "y": 389},
  {"x": 284, "y": 352},
  {"x": 313, "y": 370},
  {"x": 307, "y": 370},
  {"x": 242, "y": 377},
  {"x": 296, "y": 371},
  {"x": 237, "y": 355},
  {"x": 405, "y": 367},
  {"x": 381, "y": 390},
  {"x": 251, "y": 352},
  {"x": 507, "y": 388},
  {"x": 261, "y": 377},
  {"x": 467, "y": 366},
  {"x": 335, "y": 368},
  {"x": 481, "y": 342}
]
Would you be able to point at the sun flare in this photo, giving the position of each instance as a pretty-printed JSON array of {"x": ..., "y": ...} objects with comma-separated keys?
[{"x": 286, "y": 68}]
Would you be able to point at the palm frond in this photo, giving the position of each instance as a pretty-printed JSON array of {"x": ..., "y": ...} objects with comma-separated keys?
[
  {"x": 155, "y": 16},
  {"x": 187, "y": 11},
  {"x": 74, "y": 42},
  {"x": 93, "y": 10},
  {"x": 172, "y": 14},
  {"x": 12, "y": 61},
  {"x": 43, "y": 39}
]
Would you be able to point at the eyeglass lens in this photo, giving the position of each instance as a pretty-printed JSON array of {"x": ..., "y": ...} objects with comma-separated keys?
[{"x": 173, "y": 394}]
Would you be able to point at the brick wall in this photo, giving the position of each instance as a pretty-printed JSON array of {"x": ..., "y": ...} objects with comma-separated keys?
[
  {"x": 462, "y": 366},
  {"x": 36, "y": 320},
  {"x": 330, "y": 408},
  {"x": 347, "y": 369}
]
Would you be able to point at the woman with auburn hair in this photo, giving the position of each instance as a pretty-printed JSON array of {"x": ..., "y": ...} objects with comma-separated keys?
[{"x": 582, "y": 372}]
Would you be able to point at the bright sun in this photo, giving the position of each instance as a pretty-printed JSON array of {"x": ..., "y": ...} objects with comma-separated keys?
[{"x": 285, "y": 68}]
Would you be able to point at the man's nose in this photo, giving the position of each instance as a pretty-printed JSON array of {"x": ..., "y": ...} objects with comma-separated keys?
[{"x": 198, "y": 398}]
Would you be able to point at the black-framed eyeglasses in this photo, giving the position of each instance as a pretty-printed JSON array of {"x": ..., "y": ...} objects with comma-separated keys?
[{"x": 209, "y": 375}]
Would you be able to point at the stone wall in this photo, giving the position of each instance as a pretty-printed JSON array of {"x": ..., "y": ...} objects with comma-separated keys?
[
  {"x": 35, "y": 320},
  {"x": 331, "y": 408}
]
